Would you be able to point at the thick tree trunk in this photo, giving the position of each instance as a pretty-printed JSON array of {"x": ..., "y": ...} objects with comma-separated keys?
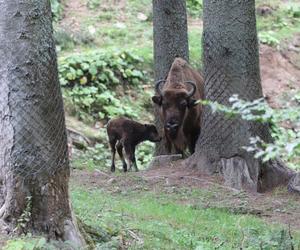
[
  {"x": 170, "y": 41},
  {"x": 231, "y": 65},
  {"x": 33, "y": 145}
]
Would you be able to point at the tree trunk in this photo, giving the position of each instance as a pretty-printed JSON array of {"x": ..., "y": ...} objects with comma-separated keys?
[
  {"x": 34, "y": 166},
  {"x": 170, "y": 41},
  {"x": 231, "y": 66}
]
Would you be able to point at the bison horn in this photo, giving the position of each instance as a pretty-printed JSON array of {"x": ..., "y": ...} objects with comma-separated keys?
[
  {"x": 192, "y": 92},
  {"x": 157, "y": 86}
]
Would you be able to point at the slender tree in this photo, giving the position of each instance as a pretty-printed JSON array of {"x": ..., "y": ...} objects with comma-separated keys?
[
  {"x": 231, "y": 66},
  {"x": 170, "y": 40},
  {"x": 34, "y": 166}
]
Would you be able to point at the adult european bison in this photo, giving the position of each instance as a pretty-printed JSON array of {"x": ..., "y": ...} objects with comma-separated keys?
[{"x": 176, "y": 98}]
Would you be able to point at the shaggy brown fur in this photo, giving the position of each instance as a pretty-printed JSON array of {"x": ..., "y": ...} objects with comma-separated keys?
[
  {"x": 179, "y": 113},
  {"x": 123, "y": 132}
]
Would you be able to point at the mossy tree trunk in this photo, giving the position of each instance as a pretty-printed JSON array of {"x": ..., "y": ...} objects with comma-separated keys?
[
  {"x": 34, "y": 166},
  {"x": 170, "y": 40},
  {"x": 231, "y": 66}
]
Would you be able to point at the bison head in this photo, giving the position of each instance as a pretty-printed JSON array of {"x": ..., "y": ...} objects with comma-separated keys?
[
  {"x": 174, "y": 104},
  {"x": 152, "y": 133}
]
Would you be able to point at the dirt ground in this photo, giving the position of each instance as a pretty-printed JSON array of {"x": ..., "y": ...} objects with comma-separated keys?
[
  {"x": 278, "y": 206},
  {"x": 280, "y": 71},
  {"x": 280, "y": 74}
]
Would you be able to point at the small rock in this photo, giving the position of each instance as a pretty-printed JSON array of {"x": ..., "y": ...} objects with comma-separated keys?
[
  {"x": 163, "y": 160},
  {"x": 142, "y": 16},
  {"x": 120, "y": 25},
  {"x": 111, "y": 181},
  {"x": 264, "y": 10}
]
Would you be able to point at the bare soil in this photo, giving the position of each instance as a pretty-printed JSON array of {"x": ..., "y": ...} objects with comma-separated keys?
[{"x": 280, "y": 71}]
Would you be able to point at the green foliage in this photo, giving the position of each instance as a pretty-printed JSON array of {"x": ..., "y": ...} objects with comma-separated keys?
[
  {"x": 25, "y": 217},
  {"x": 99, "y": 156},
  {"x": 282, "y": 23},
  {"x": 90, "y": 81},
  {"x": 144, "y": 154},
  {"x": 26, "y": 244},
  {"x": 267, "y": 37},
  {"x": 195, "y": 7},
  {"x": 93, "y": 4},
  {"x": 34, "y": 243},
  {"x": 57, "y": 9},
  {"x": 286, "y": 143}
]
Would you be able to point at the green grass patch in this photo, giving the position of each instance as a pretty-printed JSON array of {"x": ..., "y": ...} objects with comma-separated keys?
[{"x": 162, "y": 223}]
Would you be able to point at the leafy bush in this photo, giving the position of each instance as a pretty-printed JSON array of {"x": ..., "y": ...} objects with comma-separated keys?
[
  {"x": 34, "y": 243},
  {"x": 195, "y": 7},
  {"x": 286, "y": 143},
  {"x": 99, "y": 157},
  {"x": 90, "y": 81},
  {"x": 267, "y": 37},
  {"x": 57, "y": 9},
  {"x": 294, "y": 11}
]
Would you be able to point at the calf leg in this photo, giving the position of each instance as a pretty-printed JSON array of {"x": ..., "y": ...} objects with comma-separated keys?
[
  {"x": 112, "y": 143},
  {"x": 120, "y": 152},
  {"x": 130, "y": 151}
]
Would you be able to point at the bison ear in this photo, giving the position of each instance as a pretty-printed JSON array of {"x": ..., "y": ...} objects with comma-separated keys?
[
  {"x": 157, "y": 99},
  {"x": 192, "y": 103}
]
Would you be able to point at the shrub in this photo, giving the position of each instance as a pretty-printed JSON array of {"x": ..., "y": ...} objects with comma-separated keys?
[
  {"x": 57, "y": 9},
  {"x": 268, "y": 37},
  {"x": 93, "y": 4},
  {"x": 195, "y": 7},
  {"x": 90, "y": 82},
  {"x": 286, "y": 143}
]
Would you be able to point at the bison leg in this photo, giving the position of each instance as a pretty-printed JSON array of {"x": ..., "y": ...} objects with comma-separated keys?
[
  {"x": 120, "y": 152},
  {"x": 112, "y": 143},
  {"x": 168, "y": 145},
  {"x": 192, "y": 143},
  {"x": 179, "y": 151},
  {"x": 130, "y": 151}
]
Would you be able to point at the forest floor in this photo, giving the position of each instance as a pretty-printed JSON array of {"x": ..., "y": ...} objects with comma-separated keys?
[
  {"x": 174, "y": 206},
  {"x": 276, "y": 206},
  {"x": 177, "y": 207}
]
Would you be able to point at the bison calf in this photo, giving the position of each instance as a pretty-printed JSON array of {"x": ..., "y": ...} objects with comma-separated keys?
[{"x": 123, "y": 132}]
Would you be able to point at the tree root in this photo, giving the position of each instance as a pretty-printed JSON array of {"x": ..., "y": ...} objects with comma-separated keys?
[
  {"x": 245, "y": 172},
  {"x": 92, "y": 235}
]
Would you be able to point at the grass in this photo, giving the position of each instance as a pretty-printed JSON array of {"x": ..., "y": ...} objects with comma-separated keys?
[
  {"x": 123, "y": 29},
  {"x": 149, "y": 220},
  {"x": 161, "y": 221}
]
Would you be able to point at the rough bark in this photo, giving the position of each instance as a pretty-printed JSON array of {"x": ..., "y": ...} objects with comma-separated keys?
[
  {"x": 231, "y": 66},
  {"x": 33, "y": 143},
  {"x": 170, "y": 40}
]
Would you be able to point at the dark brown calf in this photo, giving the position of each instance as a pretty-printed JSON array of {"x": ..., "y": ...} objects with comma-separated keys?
[{"x": 123, "y": 132}]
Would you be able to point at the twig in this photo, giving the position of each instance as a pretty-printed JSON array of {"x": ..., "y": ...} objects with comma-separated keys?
[
  {"x": 135, "y": 236},
  {"x": 103, "y": 173},
  {"x": 291, "y": 237}
]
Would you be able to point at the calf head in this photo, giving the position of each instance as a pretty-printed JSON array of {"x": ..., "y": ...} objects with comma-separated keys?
[
  {"x": 152, "y": 133},
  {"x": 174, "y": 105}
]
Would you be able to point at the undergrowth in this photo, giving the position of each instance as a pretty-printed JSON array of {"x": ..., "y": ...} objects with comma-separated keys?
[{"x": 101, "y": 85}]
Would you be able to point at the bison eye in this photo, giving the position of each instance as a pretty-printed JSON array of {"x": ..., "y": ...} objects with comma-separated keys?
[{"x": 183, "y": 104}]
